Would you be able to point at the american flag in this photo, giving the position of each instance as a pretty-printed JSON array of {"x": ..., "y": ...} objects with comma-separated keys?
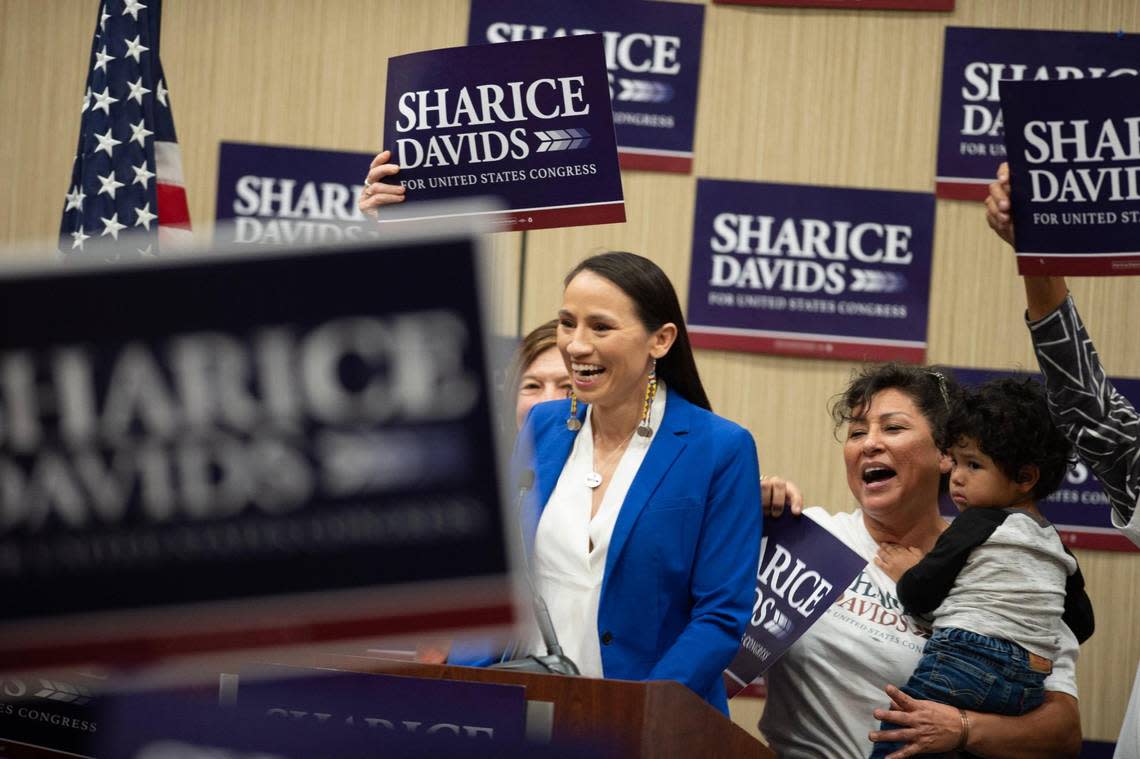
[{"x": 126, "y": 196}]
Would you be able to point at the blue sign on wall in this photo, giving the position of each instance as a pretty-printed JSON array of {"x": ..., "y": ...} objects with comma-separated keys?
[
  {"x": 653, "y": 58},
  {"x": 276, "y": 195},
  {"x": 976, "y": 61},
  {"x": 826, "y": 272}
]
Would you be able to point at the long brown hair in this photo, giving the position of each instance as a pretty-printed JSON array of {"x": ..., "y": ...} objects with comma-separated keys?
[{"x": 656, "y": 304}]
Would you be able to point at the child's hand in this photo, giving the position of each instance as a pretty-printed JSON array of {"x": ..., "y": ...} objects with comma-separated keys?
[{"x": 895, "y": 560}]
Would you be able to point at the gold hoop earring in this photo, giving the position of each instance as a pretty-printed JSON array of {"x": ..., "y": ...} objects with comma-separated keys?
[{"x": 573, "y": 423}]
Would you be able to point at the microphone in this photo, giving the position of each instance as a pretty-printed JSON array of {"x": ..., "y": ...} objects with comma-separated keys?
[{"x": 554, "y": 661}]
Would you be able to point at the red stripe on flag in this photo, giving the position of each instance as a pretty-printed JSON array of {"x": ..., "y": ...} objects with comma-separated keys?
[{"x": 172, "y": 208}]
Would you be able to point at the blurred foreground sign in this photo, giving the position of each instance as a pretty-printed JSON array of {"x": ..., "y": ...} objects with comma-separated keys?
[{"x": 221, "y": 453}]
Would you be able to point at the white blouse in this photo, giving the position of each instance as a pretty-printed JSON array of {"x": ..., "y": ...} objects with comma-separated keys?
[{"x": 568, "y": 572}]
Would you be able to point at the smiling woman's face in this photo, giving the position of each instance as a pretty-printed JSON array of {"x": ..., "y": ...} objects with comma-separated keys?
[
  {"x": 893, "y": 464},
  {"x": 603, "y": 342}
]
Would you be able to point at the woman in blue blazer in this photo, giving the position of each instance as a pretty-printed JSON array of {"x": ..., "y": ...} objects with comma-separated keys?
[{"x": 644, "y": 519}]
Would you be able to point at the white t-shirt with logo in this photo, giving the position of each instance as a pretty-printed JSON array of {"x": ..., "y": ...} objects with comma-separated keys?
[{"x": 822, "y": 692}]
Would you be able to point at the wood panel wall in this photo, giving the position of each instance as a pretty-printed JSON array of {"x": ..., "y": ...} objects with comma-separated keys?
[{"x": 788, "y": 95}]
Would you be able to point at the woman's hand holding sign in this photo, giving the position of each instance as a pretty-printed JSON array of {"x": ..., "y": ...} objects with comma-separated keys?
[
  {"x": 997, "y": 205},
  {"x": 377, "y": 193},
  {"x": 1043, "y": 294},
  {"x": 776, "y": 493}
]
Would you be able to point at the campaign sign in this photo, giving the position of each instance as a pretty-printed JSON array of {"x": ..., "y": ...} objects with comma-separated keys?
[
  {"x": 407, "y": 707},
  {"x": 528, "y": 123},
  {"x": 1074, "y": 157},
  {"x": 180, "y": 725},
  {"x": 1079, "y": 509},
  {"x": 797, "y": 270},
  {"x": 276, "y": 195},
  {"x": 976, "y": 61},
  {"x": 245, "y": 449},
  {"x": 803, "y": 569},
  {"x": 54, "y": 713},
  {"x": 653, "y": 56},
  {"x": 864, "y": 5}
]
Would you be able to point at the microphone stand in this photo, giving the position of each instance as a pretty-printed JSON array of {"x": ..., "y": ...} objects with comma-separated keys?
[{"x": 554, "y": 661}]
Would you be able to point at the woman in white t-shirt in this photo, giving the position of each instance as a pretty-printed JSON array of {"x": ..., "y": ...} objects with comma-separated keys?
[{"x": 827, "y": 695}]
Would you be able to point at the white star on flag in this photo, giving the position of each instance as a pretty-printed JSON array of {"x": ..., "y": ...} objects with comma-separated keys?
[
  {"x": 107, "y": 143},
  {"x": 103, "y": 100},
  {"x": 135, "y": 48},
  {"x": 133, "y": 7},
  {"x": 137, "y": 91},
  {"x": 101, "y": 59},
  {"x": 110, "y": 184},
  {"x": 142, "y": 175},
  {"x": 75, "y": 198},
  {"x": 144, "y": 217},
  {"x": 139, "y": 133},
  {"x": 112, "y": 226},
  {"x": 127, "y": 155},
  {"x": 79, "y": 237}
]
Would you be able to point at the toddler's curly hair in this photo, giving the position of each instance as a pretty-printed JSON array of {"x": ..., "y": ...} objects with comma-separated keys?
[{"x": 1010, "y": 421}]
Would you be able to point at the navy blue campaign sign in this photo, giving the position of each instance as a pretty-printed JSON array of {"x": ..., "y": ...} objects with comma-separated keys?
[
  {"x": 975, "y": 61},
  {"x": 803, "y": 569},
  {"x": 1079, "y": 509},
  {"x": 1074, "y": 157},
  {"x": 865, "y": 5},
  {"x": 653, "y": 54},
  {"x": 53, "y": 712},
  {"x": 407, "y": 707},
  {"x": 237, "y": 450},
  {"x": 191, "y": 725},
  {"x": 798, "y": 270},
  {"x": 280, "y": 195},
  {"x": 528, "y": 123}
]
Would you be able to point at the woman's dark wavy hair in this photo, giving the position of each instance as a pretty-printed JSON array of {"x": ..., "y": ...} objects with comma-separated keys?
[
  {"x": 656, "y": 303},
  {"x": 932, "y": 389},
  {"x": 1009, "y": 420}
]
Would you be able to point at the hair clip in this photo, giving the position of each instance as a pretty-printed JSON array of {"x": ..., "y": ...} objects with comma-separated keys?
[{"x": 941, "y": 386}]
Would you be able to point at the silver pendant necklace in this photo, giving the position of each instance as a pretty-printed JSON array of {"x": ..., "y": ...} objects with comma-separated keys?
[{"x": 594, "y": 478}]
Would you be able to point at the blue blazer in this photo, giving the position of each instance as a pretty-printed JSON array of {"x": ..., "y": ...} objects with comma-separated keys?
[{"x": 681, "y": 567}]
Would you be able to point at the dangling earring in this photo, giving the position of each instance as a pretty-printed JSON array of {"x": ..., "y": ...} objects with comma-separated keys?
[
  {"x": 643, "y": 429},
  {"x": 573, "y": 423}
]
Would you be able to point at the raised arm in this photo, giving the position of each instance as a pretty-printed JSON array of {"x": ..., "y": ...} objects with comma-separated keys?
[
  {"x": 1042, "y": 294},
  {"x": 1102, "y": 425}
]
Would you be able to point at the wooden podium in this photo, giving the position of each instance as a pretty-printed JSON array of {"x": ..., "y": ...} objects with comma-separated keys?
[{"x": 651, "y": 719}]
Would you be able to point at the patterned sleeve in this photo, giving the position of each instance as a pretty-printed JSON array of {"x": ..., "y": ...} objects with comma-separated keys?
[{"x": 1101, "y": 423}]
